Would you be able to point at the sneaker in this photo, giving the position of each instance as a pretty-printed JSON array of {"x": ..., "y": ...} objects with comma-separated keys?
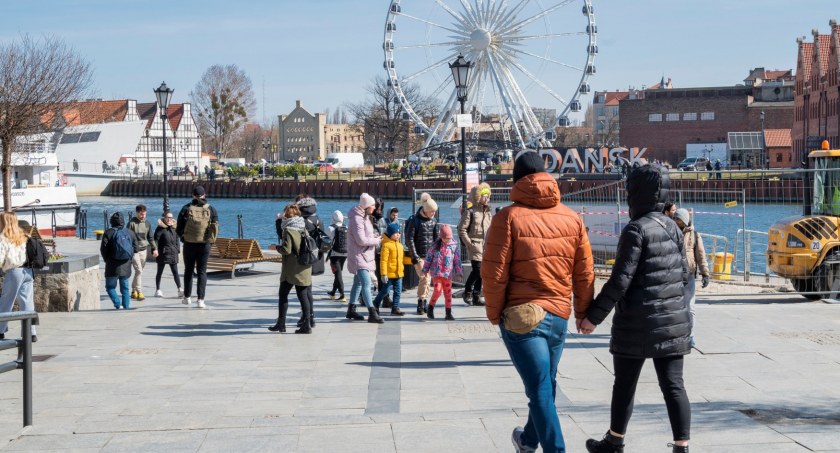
[
  {"x": 140, "y": 296},
  {"x": 516, "y": 438},
  {"x": 343, "y": 299},
  {"x": 180, "y": 292},
  {"x": 331, "y": 295},
  {"x": 158, "y": 293},
  {"x": 201, "y": 303},
  {"x": 186, "y": 301},
  {"x": 134, "y": 294}
]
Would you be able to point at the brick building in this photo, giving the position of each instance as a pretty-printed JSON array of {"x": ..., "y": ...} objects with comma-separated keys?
[
  {"x": 817, "y": 101},
  {"x": 666, "y": 120}
]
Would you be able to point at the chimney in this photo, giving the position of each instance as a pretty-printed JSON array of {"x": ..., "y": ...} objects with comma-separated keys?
[{"x": 298, "y": 104}]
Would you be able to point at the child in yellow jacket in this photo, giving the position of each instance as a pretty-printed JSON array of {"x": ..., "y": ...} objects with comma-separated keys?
[{"x": 391, "y": 265}]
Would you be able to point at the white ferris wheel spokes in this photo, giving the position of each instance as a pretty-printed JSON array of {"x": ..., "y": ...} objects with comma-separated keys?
[{"x": 532, "y": 60}]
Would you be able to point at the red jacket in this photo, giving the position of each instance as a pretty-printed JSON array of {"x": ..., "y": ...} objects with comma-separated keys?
[{"x": 537, "y": 250}]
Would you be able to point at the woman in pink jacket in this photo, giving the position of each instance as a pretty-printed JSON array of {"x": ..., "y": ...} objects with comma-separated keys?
[{"x": 361, "y": 244}]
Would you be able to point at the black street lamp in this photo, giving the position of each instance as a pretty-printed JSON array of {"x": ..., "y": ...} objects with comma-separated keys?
[
  {"x": 461, "y": 73},
  {"x": 164, "y": 95}
]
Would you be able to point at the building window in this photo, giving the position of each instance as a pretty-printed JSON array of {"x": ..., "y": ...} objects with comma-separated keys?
[
  {"x": 707, "y": 116},
  {"x": 654, "y": 117},
  {"x": 672, "y": 117},
  {"x": 778, "y": 157},
  {"x": 690, "y": 116}
]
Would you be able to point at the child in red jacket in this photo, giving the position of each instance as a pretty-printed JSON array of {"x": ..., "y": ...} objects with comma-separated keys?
[{"x": 443, "y": 262}]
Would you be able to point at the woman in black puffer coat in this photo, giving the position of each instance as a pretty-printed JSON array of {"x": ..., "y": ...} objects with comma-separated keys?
[
  {"x": 169, "y": 248},
  {"x": 651, "y": 318}
]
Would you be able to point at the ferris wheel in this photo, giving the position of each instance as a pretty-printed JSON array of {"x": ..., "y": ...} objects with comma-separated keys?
[{"x": 531, "y": 62}]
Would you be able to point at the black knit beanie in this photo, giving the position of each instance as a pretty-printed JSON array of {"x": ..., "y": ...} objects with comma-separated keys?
[{"x": 528, "y": 163}]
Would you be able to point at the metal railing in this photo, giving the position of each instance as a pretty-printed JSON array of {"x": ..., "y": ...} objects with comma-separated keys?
[
  {"x": 24, "y": 359},
  {"x": 748, "y": 253}
]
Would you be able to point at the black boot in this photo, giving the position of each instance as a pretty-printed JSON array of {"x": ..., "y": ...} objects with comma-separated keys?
[
  {"x": 425, "y": 305},
  {"x": 477, "y": 299},
  {"x": 279, "y": 326},
  {"x": 420, "y": 306},
  {"x": 374, "y": 316},
  {"x": 387, "y": 302},
  {"x": 396, "y": 312},
  {"x": 676, "y": 449},
  {"x": 449, "y": 315},
  {"x": 304, "y": 329},
  {"x": 468, "y": 297},
  {"x": 352, "y": 315},
  {"x": 609, "y": 444},
  {"x": 430, "y": 312}
]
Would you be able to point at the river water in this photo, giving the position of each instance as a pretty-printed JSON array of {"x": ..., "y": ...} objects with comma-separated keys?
[{"x": 258, "y": 217}]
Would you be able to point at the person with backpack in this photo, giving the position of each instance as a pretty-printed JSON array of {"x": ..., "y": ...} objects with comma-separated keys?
[
  {"x": 309, "y": 211},
  {"x": 197, "y": 227},
  {"x": 118, "y": 246},
  {"x": 338, "y": 254},
  {"x": 19, "y": 280},
  {"x": 295, "y": 272},
  {"x": 145, "y": 240},
  {"x": 361, "y": 245},
  {"x": 421, "y": 232},
  {"x": 169, "y": 248},
  {"x": 472, "y": 229}
]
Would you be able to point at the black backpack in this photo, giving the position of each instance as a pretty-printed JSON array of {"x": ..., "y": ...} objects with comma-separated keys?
[
  {"x": 308, "y": 251},
  {"x": 339, "y": 244},
  {"x": 37, "y": 256},
  {"x": 322, "y": 241}
]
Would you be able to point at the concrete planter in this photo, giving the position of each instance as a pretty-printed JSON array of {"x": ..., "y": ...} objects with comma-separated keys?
[{"x": 69, "y": 284}]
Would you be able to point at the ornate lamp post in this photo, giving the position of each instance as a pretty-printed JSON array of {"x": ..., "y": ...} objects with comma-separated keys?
[
  {"x": 460, "y": 74},
  {"x": 164, "y": 95}
]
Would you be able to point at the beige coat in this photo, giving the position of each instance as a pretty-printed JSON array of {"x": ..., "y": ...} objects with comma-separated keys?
[
  {"x": 474, "y": 225},
  {"x": 695, "y": 253}
]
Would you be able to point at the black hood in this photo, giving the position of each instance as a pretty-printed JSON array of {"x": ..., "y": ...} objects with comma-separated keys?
[
  {"x": 648, "y": 188},
  {"x": 117, "y": 220}
]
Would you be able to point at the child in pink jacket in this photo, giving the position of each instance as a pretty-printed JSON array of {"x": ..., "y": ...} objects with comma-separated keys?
[{"x": 443, "y": 262}]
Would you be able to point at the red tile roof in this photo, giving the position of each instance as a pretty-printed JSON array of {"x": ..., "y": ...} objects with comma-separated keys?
[
  {"x": 807, "y": 59},
  {"x": 175, "y": 113},
  {"x": 823, "y": 43},
  {"x": 773, "y": 75},
  {"x": 147, "y": 111},
  {"x": 613, "y": 97},
  {"x": 777, "y": 138}
]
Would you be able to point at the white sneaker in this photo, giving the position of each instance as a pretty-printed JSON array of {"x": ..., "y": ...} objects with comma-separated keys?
[
  {"x": 180, "y": 292},
  {"x": 516, "y": 438},
  {"x": 158, "y": 293},
  {"x": 186, "y": 301},
  {"x": 201, "y": 303}
]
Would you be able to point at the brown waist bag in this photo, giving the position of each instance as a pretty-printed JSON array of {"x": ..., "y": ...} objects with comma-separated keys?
[{"x": 523, "y": 318}]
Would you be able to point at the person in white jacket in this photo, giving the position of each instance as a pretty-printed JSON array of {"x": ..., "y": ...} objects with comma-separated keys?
[{"x": 18, "y": 281}]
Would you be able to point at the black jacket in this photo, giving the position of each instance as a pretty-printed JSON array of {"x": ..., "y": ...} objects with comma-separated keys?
[
  {"x": 647, "y": 284},
  {"x": 309, "y": 212},
  {"x": 116, "y": 268},
  {"x": 420, "y": 233},
  {"x": 169, "y": 247}
]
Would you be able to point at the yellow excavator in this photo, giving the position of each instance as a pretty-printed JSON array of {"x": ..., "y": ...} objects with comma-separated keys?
[{"x": 806, "y": 249}]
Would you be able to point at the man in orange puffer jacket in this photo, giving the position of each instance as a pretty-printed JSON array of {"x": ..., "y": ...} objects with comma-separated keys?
[{"x": 537, "y": 251}]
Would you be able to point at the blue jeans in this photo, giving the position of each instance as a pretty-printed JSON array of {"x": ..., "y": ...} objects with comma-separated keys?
[
  {"x": 396, "y": 284},
  {"x": 17, "y": 286},
  {"x": 361, "y": 283},
  {"x": 111, "y": 289},
  {"x": 535, "y": 356}
]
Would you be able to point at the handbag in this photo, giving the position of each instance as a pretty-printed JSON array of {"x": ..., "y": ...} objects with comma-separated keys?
[{"x": 523, "y": 318}]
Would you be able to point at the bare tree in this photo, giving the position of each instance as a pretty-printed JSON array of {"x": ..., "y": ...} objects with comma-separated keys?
[
  {"x": 38, "y": 79},
  {"x": 224, "y": 100},
  {"x": 381, "y": 119}
]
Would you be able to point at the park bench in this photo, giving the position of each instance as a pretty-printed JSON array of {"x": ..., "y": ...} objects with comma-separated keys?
[
  {"x": 33, "y": 232},
  {"x": 229, "y": 254}
]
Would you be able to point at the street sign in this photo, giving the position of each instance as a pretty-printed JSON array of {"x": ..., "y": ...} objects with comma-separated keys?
[{"x": 463, "y": 120}]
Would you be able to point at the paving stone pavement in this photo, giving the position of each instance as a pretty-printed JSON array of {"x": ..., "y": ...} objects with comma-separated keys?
[{"x": 162, "y": 377}]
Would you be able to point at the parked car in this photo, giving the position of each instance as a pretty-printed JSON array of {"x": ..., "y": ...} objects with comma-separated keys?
[
  {"x": 693, "y": 164},
  {"x": 324, "y": 167}
]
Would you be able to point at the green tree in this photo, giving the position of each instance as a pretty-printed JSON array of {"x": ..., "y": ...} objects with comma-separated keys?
[
  {"x": 223, "y": 100},
  {"x": 38, "y": 79}
]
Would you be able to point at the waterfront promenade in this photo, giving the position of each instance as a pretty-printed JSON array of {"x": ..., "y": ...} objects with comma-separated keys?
[{"x": 165, "y": 378}]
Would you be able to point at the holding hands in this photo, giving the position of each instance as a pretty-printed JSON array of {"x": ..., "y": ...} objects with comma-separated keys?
[{"x": 584, "y": 326}]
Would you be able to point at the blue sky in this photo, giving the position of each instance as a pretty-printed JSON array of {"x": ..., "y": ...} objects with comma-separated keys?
[{"x": 324, "y": 52}]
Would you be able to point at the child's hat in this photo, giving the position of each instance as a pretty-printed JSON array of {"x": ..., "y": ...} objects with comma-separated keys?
[
  {"x": 445, "y": 231},
  {"x": 393, "y": 228}
]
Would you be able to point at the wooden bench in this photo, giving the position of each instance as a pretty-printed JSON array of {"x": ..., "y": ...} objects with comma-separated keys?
[
  {"x": 229, "y": 254},
  {"x": 33, "y": 232}
]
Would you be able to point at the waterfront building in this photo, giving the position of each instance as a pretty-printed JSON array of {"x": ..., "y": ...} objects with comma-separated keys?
[
  {"x": 668, "y": 120},
  {"x": 302, "y": 134},
  {"x": 817, "y": 102}
]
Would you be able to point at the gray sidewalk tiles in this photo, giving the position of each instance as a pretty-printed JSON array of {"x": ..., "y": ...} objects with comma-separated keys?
[{"x": 163, "y": 377}]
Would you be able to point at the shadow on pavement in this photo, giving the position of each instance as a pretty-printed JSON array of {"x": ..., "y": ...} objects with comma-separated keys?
[
  {"x": 221, "y": 328},
  {"x": 439, "y": 364}
]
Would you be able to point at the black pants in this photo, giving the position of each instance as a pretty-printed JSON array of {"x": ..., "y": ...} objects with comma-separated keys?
[
  {"x": 195, "y": 262},
  {"x": 338, "y": 279},
  {"x": 304, "y": 294},
  {"x": 173, "y": 267},
  {"x": 669, "y": 370},
  {"x": 474, "y": 280}
]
